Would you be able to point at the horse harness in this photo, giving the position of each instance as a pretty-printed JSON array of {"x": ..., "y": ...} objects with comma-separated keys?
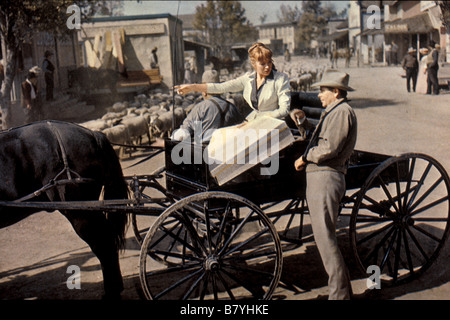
[{"x": 58, "y": 181}]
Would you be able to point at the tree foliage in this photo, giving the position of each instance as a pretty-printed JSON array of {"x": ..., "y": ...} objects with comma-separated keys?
[
  {"x": 445, "y": 9},
  {"x": 20, "y": 19},
  {"x": 223, "y": 23},
  {"x": 289, "y": 14}
]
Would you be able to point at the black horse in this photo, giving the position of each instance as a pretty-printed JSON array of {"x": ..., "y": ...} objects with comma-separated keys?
[{"x": 34, "y": 155}]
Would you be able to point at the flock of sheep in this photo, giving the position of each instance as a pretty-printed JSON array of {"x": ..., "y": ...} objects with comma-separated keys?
[
  {"x": 150, "y": 115},
  {"x": 128, "y": 123}
]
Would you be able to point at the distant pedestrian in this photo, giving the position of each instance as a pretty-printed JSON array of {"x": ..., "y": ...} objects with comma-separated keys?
[
  {"x": 30, "y": 97},
  {"x": 388, "y": 53},
  {"x": 394, "y": 53},
  {"x": 422, "y": 75},
  {"x": 154, "y": 64},
  {"x": 432, "y": 70},
  {"x": 411, "y": 66},
  {"x": 48, "y": 68},
  {"x": 287, "y": 55}
]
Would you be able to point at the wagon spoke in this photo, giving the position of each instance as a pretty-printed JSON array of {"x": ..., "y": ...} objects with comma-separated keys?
[
  {"x": 397, "y": 254},
  {"x": 235, "y": 232},
  {"x": 244, "y": 243},
  {"x": 183, "y": 242},
  {"x": 382, "y": 208},
  {"x": 175, "y": 255},
  {"x": 397, "y": 185},
  {"x": 247, "y": 269},
  {"x": 177, "y": 284},
  {"x": 193, "y": 286},
  {"x": 215, "y": 290},
  {"x": 375, "y": 250},
  {"x": 416, "y": 242},
  {"x": 184, "y": 267},
  {"x": 429, "y": 235},
  {"x": 388, "y": 252},
  {"x": 419, "y": 184},
  {"x": 388, "y": 194},
  {"x": 205, "y": 287},
  {"x": 408, "y": 252},
  {"x": 374, "y": 234},
  {"x": 225, "y": 285},
  {"x": 208, "y": 227},
  {"x": 193, "y": 233},
  {"x": 242, "y": 284},
  {"x": 408, "y": 183},
  {"x": 223, "y": 224},
  {"x": 167, "y": 233},
  {"x": 430, "y": 205}
]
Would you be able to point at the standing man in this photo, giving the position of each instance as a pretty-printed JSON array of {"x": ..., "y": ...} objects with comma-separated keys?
[
  {"x": 325, "y": 160},
  {"x": 411, "y": 66},
  {"x": 30, "y": 96},
  {"x": 432, "y": 69},
  {"x": 154, "y": 59},
  {"x": 394, "y": 53},
  {"x": 48, "y": 68}
]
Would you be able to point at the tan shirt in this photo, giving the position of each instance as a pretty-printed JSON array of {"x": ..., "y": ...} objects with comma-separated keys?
[{"x": 336, "y": 140}]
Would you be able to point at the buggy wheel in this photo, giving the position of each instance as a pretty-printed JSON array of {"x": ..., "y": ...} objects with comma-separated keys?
[
  {"x": 400, "y": 220},
  {"x": 148, "y": 190},
  {"x": 211, "y": 246}
]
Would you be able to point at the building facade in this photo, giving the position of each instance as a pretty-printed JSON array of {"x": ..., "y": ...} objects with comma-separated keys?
[
  {"x": 279, "y": 36},
  {"x": 382, "y": 31},
  {"x": 131, "y": 41}
]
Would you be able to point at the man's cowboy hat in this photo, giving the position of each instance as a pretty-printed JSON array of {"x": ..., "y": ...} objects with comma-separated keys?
[
  {"x": 334, "y": 79},
  {"x": 411, "y": 50}
]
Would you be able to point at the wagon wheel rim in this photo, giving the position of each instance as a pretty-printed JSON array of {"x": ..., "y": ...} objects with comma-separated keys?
[
  {"x": 401, "y": 219},
  {"x": 224, "y": 253}
]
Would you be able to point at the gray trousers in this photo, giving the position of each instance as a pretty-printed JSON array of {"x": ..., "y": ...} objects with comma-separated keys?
[{"x": 324, "y": 191}]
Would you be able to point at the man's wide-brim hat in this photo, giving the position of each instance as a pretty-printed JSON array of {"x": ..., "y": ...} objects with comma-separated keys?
[
  {"x": 334, "y": 79},
  {"x": 411, "y": 50}
]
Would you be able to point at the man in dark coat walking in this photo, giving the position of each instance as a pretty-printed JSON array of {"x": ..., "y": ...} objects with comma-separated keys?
[
  {"x": 30, "y": 97},
  {"x": 411, "y": 65},
  {"x": 432, "y": 69}
]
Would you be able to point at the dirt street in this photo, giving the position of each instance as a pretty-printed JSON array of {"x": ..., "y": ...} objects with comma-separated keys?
[{"x": 36, "y": 252}]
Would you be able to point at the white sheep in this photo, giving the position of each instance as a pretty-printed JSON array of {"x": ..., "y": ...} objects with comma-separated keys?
[
  {"x": 137, "y": 127},
  {"x": 118, "y": 135},
  {"x": 96, "y": 125}
]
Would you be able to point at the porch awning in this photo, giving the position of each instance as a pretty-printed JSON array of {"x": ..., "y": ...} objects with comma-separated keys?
[{"x": 418, "y": 24}]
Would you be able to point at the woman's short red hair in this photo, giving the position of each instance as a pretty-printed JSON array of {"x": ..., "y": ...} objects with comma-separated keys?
[{"x": 259, "y": 52}]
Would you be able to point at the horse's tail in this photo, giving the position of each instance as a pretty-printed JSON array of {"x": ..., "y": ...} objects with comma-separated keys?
[{"x": 115, "y": 187}]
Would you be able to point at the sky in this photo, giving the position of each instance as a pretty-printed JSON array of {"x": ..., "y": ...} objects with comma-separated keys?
[{"x": 253, "y": 9}]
